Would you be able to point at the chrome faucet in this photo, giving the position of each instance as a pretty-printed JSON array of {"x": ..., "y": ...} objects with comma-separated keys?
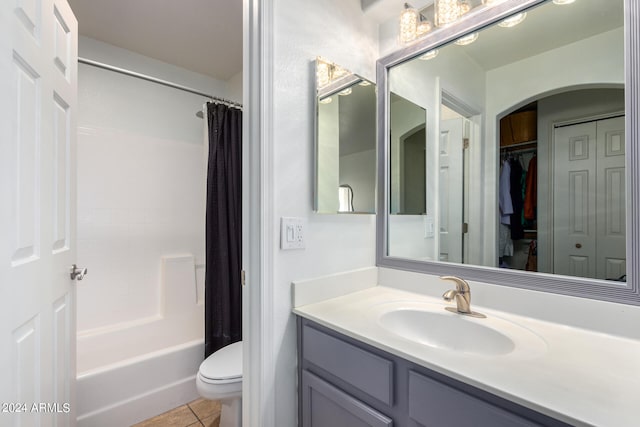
[{"x": 462, "y": 295}]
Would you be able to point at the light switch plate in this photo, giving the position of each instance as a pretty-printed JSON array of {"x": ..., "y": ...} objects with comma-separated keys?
[
  {"x": 291, "y": 233},
  {"x": 428, "y": 226}
]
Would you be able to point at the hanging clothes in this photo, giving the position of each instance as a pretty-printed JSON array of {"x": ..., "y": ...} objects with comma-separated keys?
[
  {"x": 531, "y": 190},
  {"x": 505, "y": 244},
  {"x": 517, "y": 230},
  {"x": 504, "y": 196}
]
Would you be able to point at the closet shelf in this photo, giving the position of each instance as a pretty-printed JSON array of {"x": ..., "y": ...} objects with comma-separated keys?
[{"x": 519, "y": 145}]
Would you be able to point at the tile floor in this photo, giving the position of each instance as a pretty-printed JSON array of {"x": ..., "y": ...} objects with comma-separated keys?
[{"x": 200, "y": 412}]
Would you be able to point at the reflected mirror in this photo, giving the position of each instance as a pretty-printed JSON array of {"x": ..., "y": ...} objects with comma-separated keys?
[
  {"x": 345, "y": 180},
  {"x": 507, "y": 149}
]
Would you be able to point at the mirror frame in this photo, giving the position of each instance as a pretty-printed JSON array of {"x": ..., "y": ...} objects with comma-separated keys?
[{"x": 618, "y": 292}]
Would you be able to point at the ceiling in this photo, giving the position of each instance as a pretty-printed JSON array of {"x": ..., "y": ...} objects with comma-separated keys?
[
  {"x": 562, "y": 25},
  {"x": 204, "y": 36}
]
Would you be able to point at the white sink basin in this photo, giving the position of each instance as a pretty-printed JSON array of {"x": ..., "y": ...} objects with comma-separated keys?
[{"x": 431, "y": 325}]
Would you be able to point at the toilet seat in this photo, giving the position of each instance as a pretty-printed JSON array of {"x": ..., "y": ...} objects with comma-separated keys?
[{"x": 224, "y": 366}]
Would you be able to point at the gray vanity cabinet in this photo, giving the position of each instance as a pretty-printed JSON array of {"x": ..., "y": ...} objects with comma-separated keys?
[{"x": 347, "y": 383}]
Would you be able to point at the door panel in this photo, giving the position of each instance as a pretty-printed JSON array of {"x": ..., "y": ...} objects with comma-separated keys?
[
  {"x": 611, "y": 225},
  {"x": 574, "y": 200},
  {"x": 38, "y": 75}
]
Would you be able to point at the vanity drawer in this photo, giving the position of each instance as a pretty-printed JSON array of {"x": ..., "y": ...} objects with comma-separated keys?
[
  {"x": 363, "y": 370},
  {"x": 432, "y": 403},
  {"x": 324, "y": 405}
]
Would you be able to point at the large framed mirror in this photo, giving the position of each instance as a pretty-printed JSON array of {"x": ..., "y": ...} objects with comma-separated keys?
[
  {"x": 522, "y": 117},
  {"x": 345, "y": 141}
]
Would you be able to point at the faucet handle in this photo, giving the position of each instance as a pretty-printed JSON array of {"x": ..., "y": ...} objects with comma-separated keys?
[{"x": 461, "y": 284}]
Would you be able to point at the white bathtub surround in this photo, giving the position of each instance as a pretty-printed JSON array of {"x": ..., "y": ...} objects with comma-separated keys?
[
  {"x": 587, "y": 375},
  {"x": 124, "y": 393}
]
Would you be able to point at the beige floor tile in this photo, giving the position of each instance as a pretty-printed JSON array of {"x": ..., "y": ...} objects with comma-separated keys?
[
  {"x": 179, "y": 417},
  {"x": 213, "y": 421},
  {"x": 204, "y": 408}
]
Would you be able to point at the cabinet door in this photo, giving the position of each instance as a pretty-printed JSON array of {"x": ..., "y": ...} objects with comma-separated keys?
[
  {"x": 432, "y": 403},
  {"x": 323, "y": 405}
]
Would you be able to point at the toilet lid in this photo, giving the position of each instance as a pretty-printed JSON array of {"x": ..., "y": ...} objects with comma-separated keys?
[{"x": 224, "y": 364}]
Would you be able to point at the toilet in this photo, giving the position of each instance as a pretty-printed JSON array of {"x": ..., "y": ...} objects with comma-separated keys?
[{"x": 220, "y": 378}]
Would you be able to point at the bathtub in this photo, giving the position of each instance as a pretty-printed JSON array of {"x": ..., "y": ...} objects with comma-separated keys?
[
  {"x": 132, "y": 371},
  {"x": 134, "y": 390}
]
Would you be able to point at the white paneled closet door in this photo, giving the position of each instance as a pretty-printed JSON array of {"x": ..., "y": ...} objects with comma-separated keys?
[
  {"x": 38, "y": 83},
  {"x": 589, "y": 199}
]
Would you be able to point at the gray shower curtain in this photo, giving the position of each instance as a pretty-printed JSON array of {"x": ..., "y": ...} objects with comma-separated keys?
[{"x": 223, "y": 288}]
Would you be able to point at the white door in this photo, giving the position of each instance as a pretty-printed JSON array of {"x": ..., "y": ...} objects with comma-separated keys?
[
  {"x": 451, "y": 190},
  {"x": 589, "y": 199},
  {"x": 38, "y": 68}
]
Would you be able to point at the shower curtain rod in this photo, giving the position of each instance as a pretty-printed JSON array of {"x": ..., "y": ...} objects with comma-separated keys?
[{"x": 156, "y": 80}]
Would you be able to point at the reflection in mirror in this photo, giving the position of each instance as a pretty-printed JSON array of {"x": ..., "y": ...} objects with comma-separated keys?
[
  {"x": 345, "y": 141},
  {"x": 345, "y": 197},
  {"x": 408, "y": 157},
  {"x": 524, "y": 147}
]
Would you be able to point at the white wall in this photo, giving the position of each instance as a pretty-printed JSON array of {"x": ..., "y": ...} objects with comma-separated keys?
[
  {"x": 141, "y": 184},
  {"x": 335, "y": 29}
]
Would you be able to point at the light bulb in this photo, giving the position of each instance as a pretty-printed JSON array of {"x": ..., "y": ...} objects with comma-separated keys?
[
  {"x": 561, "y": 2},
  {"x": 423, "y": 27},
  {"x": 327, "y": 100},
  {"x": 345, "y": 92},
  {"x": 514, "y": 20},
  {"x": 464, "y": 6},
  {"x": 338, "y": 72},
  {"x": 429, "y": 55},
  {"x": 364, "y": 83},
  {"x": 463, "y": 41}
]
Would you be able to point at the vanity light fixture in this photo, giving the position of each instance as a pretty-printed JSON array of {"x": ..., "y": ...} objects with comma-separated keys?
[
  {"x": 446, "y": 12},
  {"x": 463, "y": 41},
  {"x": 364, "y": 83},
  {"x": 326, "y": 100},
  {"x": 345, "y": 92},
  {"x": 514, "y": 20},
  {"x": 561, "y": 2},
  {"x": 328, "y": 72},
  {"x": 429, "y": 55},
  {"x": 408, "y": 24}
]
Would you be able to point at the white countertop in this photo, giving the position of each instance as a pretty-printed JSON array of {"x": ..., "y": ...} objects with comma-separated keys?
[{"x": 582, "y": 377}]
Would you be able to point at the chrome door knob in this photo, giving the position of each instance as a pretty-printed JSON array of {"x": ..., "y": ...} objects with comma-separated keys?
[{"x": 77, "y": 273}]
